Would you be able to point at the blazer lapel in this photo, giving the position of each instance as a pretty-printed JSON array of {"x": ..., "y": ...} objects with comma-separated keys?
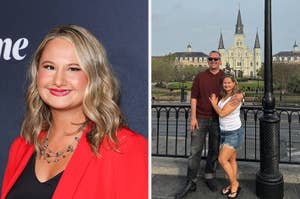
[{"x": 75, "y": 169}]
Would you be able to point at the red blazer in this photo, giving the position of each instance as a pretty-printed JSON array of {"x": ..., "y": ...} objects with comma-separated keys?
[{"x": 114, "y": 174}]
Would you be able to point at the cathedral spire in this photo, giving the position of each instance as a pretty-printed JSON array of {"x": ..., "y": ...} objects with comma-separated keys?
[
  {"x": 239, "y": 27},
  {"x": 295, "y": 44},
  {"x": 295, "y": 47},
  {"x": 189, "y": 48},
  {"x": 256, "y": 44},
  {"x": 221, "y": 43}
]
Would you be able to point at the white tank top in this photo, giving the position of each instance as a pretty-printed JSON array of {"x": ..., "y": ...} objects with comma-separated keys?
[{"x": 232, "y": 121}]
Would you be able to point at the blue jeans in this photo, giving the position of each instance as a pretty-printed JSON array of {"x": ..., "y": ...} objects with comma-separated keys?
[
  {"x": 210, "y": 125},
  {"x": 232, "y": 138}
]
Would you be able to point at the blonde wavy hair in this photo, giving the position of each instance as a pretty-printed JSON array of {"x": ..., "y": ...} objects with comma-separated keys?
[{"x": 100, "y": 102}]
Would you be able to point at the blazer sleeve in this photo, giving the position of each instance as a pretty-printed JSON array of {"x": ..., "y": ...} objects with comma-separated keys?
[
  {"x": 134, "y": 170},
  {"x": 12, "y": 162}
]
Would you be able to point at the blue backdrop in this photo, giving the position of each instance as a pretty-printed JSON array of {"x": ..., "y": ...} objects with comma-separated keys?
[{"x": 122, "y": 27}]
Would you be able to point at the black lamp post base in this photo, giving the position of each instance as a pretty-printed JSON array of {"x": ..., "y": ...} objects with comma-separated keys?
[{"x": 271, "y": 188}]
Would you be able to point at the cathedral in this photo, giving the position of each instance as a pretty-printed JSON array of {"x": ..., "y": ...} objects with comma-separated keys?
[{"x": 240, "y": 59}]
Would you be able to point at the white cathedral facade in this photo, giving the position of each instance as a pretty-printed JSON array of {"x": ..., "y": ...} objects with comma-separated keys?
[{"x": 240, "y": 59}]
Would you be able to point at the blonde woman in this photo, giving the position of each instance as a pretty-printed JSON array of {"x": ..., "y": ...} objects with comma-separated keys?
[
  {"x": 232, "y": 133},
  {"x": 74, "y": 142}
]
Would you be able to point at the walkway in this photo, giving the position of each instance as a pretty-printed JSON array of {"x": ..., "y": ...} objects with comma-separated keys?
[{"x": 168, "y": 177}]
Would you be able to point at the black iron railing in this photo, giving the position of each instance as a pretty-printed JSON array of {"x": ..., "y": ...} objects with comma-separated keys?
[{"x": 171, "y": 134}]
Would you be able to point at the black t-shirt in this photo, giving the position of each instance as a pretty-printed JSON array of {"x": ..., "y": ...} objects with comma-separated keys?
[{"x": 28, "y": 186}]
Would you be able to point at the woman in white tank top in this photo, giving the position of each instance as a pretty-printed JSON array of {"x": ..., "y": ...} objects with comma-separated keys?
[{"x": 232, "y": 134}]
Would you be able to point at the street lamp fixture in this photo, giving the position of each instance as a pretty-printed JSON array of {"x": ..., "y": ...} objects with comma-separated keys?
[{"x": 269, "y": 181}]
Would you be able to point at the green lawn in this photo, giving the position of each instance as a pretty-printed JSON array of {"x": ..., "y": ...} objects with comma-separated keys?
[
  {"x": 246, "y": 86},
  {"x": 172, "y": 92}
]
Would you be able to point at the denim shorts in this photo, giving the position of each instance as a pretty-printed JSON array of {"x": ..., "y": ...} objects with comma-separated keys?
[{"x": 233, "y": 138}]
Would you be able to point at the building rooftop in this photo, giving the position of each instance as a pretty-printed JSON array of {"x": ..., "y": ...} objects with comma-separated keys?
[
  {"x": 190, "y": 54},
  {"x": 287, "y": 54}
]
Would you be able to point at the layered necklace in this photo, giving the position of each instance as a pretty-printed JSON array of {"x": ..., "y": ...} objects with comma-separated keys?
[{"x": 51, "y": 156}]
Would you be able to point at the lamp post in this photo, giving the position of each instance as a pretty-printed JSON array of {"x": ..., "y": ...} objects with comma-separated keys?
[
  {"x": 182, "y": 90},
  {"x": 257, "y": 86},
  {"x": 269, "y": 181},
  {"x": 280, "y": 94}
]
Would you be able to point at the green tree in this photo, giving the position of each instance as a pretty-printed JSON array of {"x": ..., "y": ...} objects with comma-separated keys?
[
  {"x": 260, "y": 72},
  {"x": 187, "y": 73},
  {"x": 282, "y": 73},
  {"x": 294, "y": 83},
  {"x": 163, "y": 69}
]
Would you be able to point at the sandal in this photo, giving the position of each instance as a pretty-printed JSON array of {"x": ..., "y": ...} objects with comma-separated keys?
[
  {"x": 234, "y": 194},
  {"x": 226, "y": 190}
]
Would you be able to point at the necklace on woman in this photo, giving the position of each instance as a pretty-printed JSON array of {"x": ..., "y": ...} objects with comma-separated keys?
[{"x": 51, "y": 156}]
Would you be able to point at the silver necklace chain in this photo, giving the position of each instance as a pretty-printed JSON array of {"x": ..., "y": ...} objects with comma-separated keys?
[{"x": 51, "y": 156}]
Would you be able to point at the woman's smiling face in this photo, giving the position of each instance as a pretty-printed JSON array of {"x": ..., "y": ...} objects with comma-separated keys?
[
  {"x": 228, "y": 84},
  {"x": 60, "y": 79}
]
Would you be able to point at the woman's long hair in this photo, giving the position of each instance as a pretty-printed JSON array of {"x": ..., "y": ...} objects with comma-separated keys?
[
  {"x": 100, "y": 102},
  {"x": 235, "y": 88}
]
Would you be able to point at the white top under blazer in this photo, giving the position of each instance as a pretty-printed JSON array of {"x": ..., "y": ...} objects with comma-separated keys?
[{"x": 232, "y": 121}]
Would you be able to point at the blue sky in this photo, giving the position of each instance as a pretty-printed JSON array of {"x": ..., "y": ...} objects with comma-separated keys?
[{"x": 175, "y": 23}]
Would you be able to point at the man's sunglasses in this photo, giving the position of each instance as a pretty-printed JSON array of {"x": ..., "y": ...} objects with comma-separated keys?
[{"x": 213, "y": 59}]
